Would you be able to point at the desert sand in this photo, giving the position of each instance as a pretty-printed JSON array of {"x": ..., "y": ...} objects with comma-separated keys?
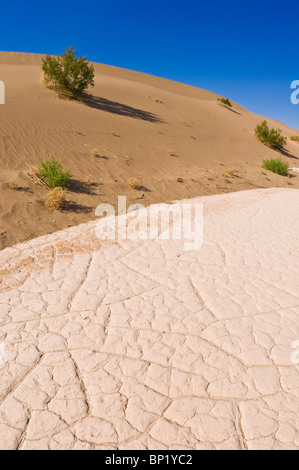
[
  {"x": 143, "y": 345},
  {"x": 155, "y": 130}
]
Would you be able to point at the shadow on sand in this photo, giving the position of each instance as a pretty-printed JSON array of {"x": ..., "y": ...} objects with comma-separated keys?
[
  {"x": 81, "y": 187},
  {"x": 230, "y": 109},
  {"x": 288, "y": 154},
  {"x": 118, "y": 108},
  {"x": 71, "y": 206}
]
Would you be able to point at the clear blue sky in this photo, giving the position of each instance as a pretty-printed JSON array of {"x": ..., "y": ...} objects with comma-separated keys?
[{"x": 247, "y": 51}]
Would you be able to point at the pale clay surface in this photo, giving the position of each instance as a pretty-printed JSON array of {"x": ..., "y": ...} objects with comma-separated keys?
[{"x": 142, "y": 345}]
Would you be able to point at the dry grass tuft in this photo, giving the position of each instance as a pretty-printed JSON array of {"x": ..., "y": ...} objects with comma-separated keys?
[
  {"x": 133, "y": 183},
  {"x": 95, "y": 152},
  {"x": 33, "y": 174},
  {"x": 13, "y": 185},
  {"x": 229, "y": 172},
  {"x": 56, "y": 198}
]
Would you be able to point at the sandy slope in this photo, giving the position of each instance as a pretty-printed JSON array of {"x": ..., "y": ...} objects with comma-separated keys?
[
  {"x": 144, "y": 127},
  {"x": 143, "y": 345}
]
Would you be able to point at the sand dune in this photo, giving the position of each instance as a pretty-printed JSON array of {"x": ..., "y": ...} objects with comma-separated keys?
[
  {"x": 143, "y": 345},
  {"x": 155, "y": 130}
]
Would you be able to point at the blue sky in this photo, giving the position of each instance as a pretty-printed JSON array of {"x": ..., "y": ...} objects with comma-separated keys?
[{"x": 247, "y": 51}]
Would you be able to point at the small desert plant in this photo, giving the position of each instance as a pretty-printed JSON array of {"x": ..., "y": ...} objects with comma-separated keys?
[
  {"x": 229, "y": 172},
  {"x": 179, "y": 180},
  {"x": 295, "y": 138},
  {"x": 56, "y": 198},
  {"x": 94, "y": 152},
  {"x": 225, "y": 101},
  {"x": 50, "y": 170},
  {"x": 270, "y": 137},
  {"x": 68, "y": 74},
  {"x": 276, "y": 165},
  {"x": 13, "y": 185},
  {"x": 133, "y": 183}
]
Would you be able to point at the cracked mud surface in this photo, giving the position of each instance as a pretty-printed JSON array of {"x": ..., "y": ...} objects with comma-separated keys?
[{"x": 142, "y": 345}]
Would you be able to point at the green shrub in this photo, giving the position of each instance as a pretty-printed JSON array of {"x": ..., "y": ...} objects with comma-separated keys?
[
  {"x": 50, "y": 170},
  {"x": 225, "y": 101},
  {"x": 270, "y": 137},
  {"x": 276, "y": 165},
  {"x": 295, "y": 138},
  {"x": 68, "y": 74}
]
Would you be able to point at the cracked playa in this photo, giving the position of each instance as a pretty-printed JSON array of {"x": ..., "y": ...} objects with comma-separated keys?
[{"x": 142, "y": 345}]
